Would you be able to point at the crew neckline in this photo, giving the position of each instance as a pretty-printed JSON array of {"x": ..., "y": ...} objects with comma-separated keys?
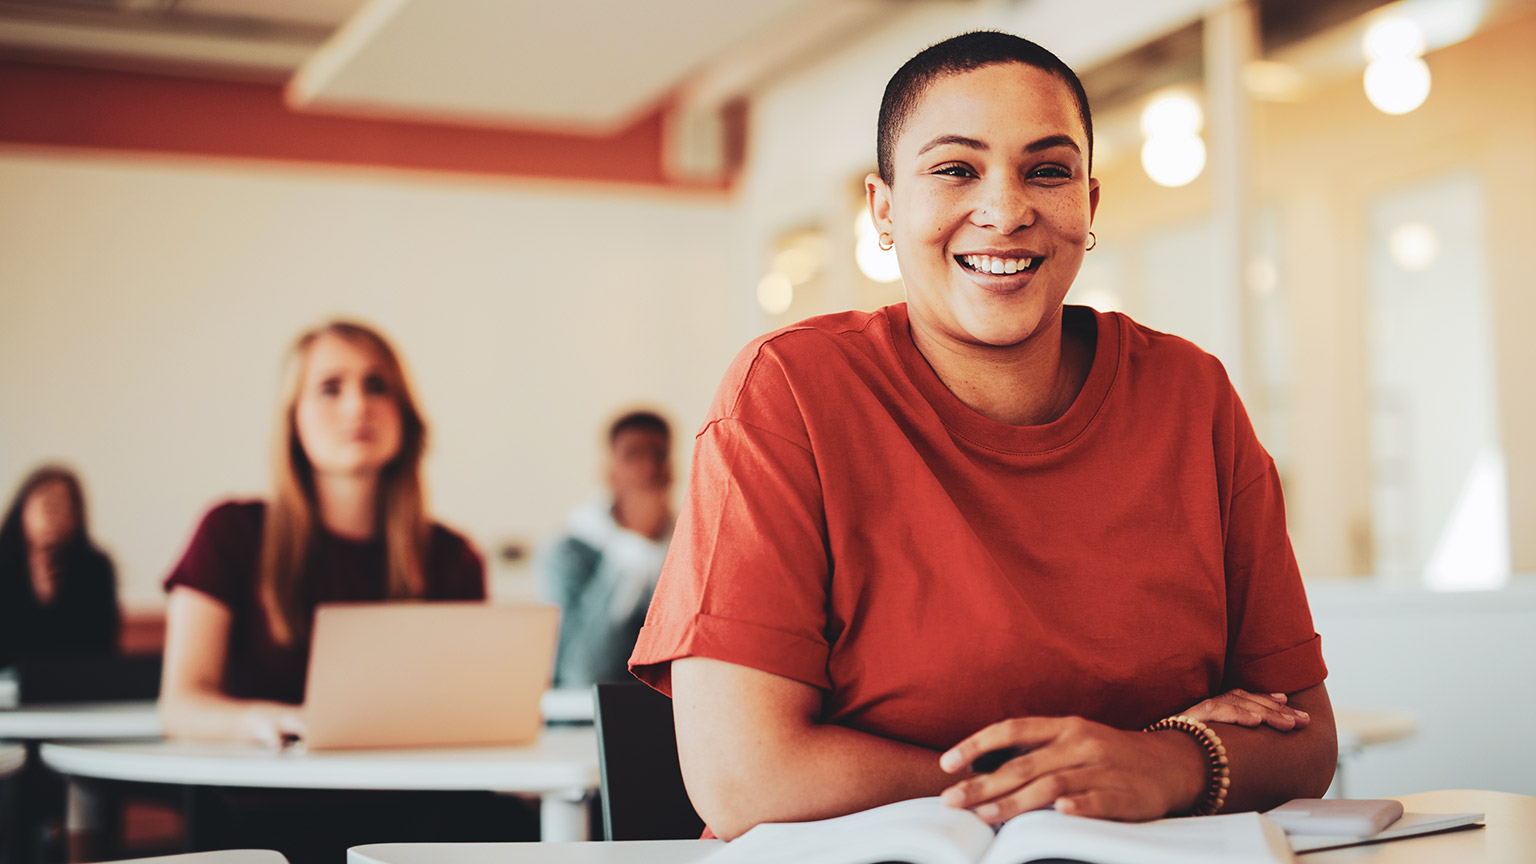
[{"x": 983, "y": 431}]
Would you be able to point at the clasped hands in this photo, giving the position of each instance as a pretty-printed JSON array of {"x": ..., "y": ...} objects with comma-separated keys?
[{"x": 1089, "y": 769}]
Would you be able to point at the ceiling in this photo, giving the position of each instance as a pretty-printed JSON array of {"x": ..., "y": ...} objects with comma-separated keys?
[{"x": 572, "y": 65}]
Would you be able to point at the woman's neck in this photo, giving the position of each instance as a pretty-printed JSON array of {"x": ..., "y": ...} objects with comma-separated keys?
[
  {"x": 43, "y": 568},
  {"x": 349, "y": 504},
  {"x": 1029, "y": 384}
]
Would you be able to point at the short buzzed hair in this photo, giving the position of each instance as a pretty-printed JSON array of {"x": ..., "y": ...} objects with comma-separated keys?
[
  {"x": 958, "y": 54},
  {"x": 648, "y": 421}
]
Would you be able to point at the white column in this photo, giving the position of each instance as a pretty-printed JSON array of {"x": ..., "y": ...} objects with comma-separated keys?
[{"x": 1231, "y": 42}]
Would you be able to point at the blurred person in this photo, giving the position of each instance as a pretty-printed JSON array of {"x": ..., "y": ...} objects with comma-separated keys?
[
  {"x": 347, "y": 521},
  {"x": 58, "y": 591},
  {"x": 984, "y": 521},
  {"x": 603, "y": 565}
]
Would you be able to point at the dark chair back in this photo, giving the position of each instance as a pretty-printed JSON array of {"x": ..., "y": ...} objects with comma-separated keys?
[
  {"x": 108, "y": 678},
  {"x": 642, "y": 793}
]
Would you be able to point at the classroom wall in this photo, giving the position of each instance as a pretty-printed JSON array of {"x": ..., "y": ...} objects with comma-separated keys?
[
  {"x": 145, "y": 303},
  {"x": 1459, "y": 663}
]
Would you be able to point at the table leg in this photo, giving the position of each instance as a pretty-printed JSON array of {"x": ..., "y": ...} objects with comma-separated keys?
[
  {"x": 563, "y": 816},
  {"x": 91, "y": 821}
]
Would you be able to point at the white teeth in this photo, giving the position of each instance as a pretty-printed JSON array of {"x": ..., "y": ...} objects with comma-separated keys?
[{"x": 997, "y": 266}]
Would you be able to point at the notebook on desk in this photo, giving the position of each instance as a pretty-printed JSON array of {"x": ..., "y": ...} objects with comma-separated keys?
[{"x": 427, "y": 674}]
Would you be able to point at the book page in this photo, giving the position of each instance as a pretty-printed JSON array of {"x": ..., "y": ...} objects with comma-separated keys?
[
  {"x": 1237, "y": 838},
  {"x": 919, "y": 831}
]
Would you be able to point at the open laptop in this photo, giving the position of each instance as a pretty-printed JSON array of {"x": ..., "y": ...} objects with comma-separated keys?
[{"x": 428, "y": 674}]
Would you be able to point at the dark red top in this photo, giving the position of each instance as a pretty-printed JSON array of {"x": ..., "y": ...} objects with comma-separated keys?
[{"x": 221, "y": 563}]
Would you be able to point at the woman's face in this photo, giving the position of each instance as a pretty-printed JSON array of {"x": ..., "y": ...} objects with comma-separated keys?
[
  {"x": 48, "y": 516},
  {"x": 989, "y": 204},
  {"x": 348, "y": 412}
]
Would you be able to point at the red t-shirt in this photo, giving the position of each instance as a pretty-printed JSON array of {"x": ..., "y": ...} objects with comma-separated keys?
[
  {"x": 221, "y": 562},
  {"x": 852, "y": 525}
]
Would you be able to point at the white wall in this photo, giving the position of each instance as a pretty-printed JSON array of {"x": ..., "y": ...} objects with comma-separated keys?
[
  {"x": 145, "y": 305},
  {"x": 1462, "y": 664}
]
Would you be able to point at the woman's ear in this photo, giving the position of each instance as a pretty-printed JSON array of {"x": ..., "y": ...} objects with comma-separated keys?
[{"x": 879, "y": 195}]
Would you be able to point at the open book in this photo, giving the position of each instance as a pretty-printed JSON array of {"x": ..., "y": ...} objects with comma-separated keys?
[{"x": 925, "y": 831}]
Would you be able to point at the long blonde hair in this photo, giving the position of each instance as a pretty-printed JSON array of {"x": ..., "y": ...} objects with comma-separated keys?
[{"x": 292, "y": 516}]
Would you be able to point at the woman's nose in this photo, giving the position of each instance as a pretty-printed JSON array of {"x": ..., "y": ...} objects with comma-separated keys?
[
  {"x": 353, "y": 401},
  {"x": 1006, "y": 206}
]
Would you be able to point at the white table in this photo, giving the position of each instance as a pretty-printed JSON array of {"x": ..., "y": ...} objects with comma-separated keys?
[
  {"x": 568, "y": 705},
  {"x": 616, "y": 852},
  {"x": 79, "y": 720},
  {"x": 222, "y": 856},
  {"x": 140, "y": 720},
  {"x": 1509, "y": 838},
  {"x": 560, "y": 769}
]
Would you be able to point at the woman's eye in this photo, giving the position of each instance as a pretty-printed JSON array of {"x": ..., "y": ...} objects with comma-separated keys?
[
  {"x": 331, "y": 387},
  {"x": 954, "y": 170},
  {"x": 1052, "y": 172},
  {"x": 375, "y": 385}
]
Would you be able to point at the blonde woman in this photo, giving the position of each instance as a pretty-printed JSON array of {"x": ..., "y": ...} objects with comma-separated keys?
[{"x": 346, "y": 522}]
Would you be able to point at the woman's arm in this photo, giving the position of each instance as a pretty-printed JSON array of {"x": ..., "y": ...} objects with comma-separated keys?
[
  {"x": 1093, "y": 770},
  {"x": 192, "y": 705},
  {"x": 753, "y": 749}
]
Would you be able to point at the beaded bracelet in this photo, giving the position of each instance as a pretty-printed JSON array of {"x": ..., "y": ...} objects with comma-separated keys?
[{"x": 1216, "y": 788}]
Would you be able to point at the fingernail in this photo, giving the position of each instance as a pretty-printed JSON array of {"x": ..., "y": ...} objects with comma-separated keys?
[
  {"x": 952, "y": 797},
  {"x": 1303, "y": 715},
  {"x": 987, "y": 811},
  {"x": 1280, "y": 696},
  {"x": 1065, "y": 805},
  {"x": 950, "y": 760}
]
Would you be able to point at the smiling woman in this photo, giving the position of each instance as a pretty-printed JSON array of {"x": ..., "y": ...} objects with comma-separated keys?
[{"x": 982, "y": 520}]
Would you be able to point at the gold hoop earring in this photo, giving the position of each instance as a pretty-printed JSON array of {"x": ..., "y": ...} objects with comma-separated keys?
[
  {"x": 886, "y": 241},
  {"x": 1094, "y": 242}
]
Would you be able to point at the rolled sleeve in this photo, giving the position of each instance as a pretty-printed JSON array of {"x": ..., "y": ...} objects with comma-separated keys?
[{"x": 746, "y": 577}]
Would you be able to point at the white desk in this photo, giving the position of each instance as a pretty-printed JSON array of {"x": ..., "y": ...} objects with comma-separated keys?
[
  {"x": 560, "y": 769},
  {"x": 618, "y": 852},
  {"x": 568, "y": 705},
  {"x": 222, "y": 856},
  {"x": 80, "y": 720},
  {"x": 1510, "y": 838}
]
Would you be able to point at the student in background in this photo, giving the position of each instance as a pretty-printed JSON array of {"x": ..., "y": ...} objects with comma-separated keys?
[
  {"x": 602, "y": 567},
  {"x": 346, "y": 522},
  {"x": 58, "y": 591}
]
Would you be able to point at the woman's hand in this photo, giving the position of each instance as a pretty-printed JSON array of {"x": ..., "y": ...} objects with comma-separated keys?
[
  {"x": 272, "y": 725},
  {"x": 1080, "y": 767},
  {"x": 1250, "y": 709}
]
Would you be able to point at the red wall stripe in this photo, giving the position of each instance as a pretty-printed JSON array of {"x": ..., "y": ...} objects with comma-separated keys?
[{"x": 45, "y": 105}]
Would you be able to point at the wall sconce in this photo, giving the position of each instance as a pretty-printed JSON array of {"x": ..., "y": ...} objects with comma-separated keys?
[
  {"x": 797, "y": 262},
  {"x": 1174, "y": 154},
  {"x": 1397, "y": 78}
]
